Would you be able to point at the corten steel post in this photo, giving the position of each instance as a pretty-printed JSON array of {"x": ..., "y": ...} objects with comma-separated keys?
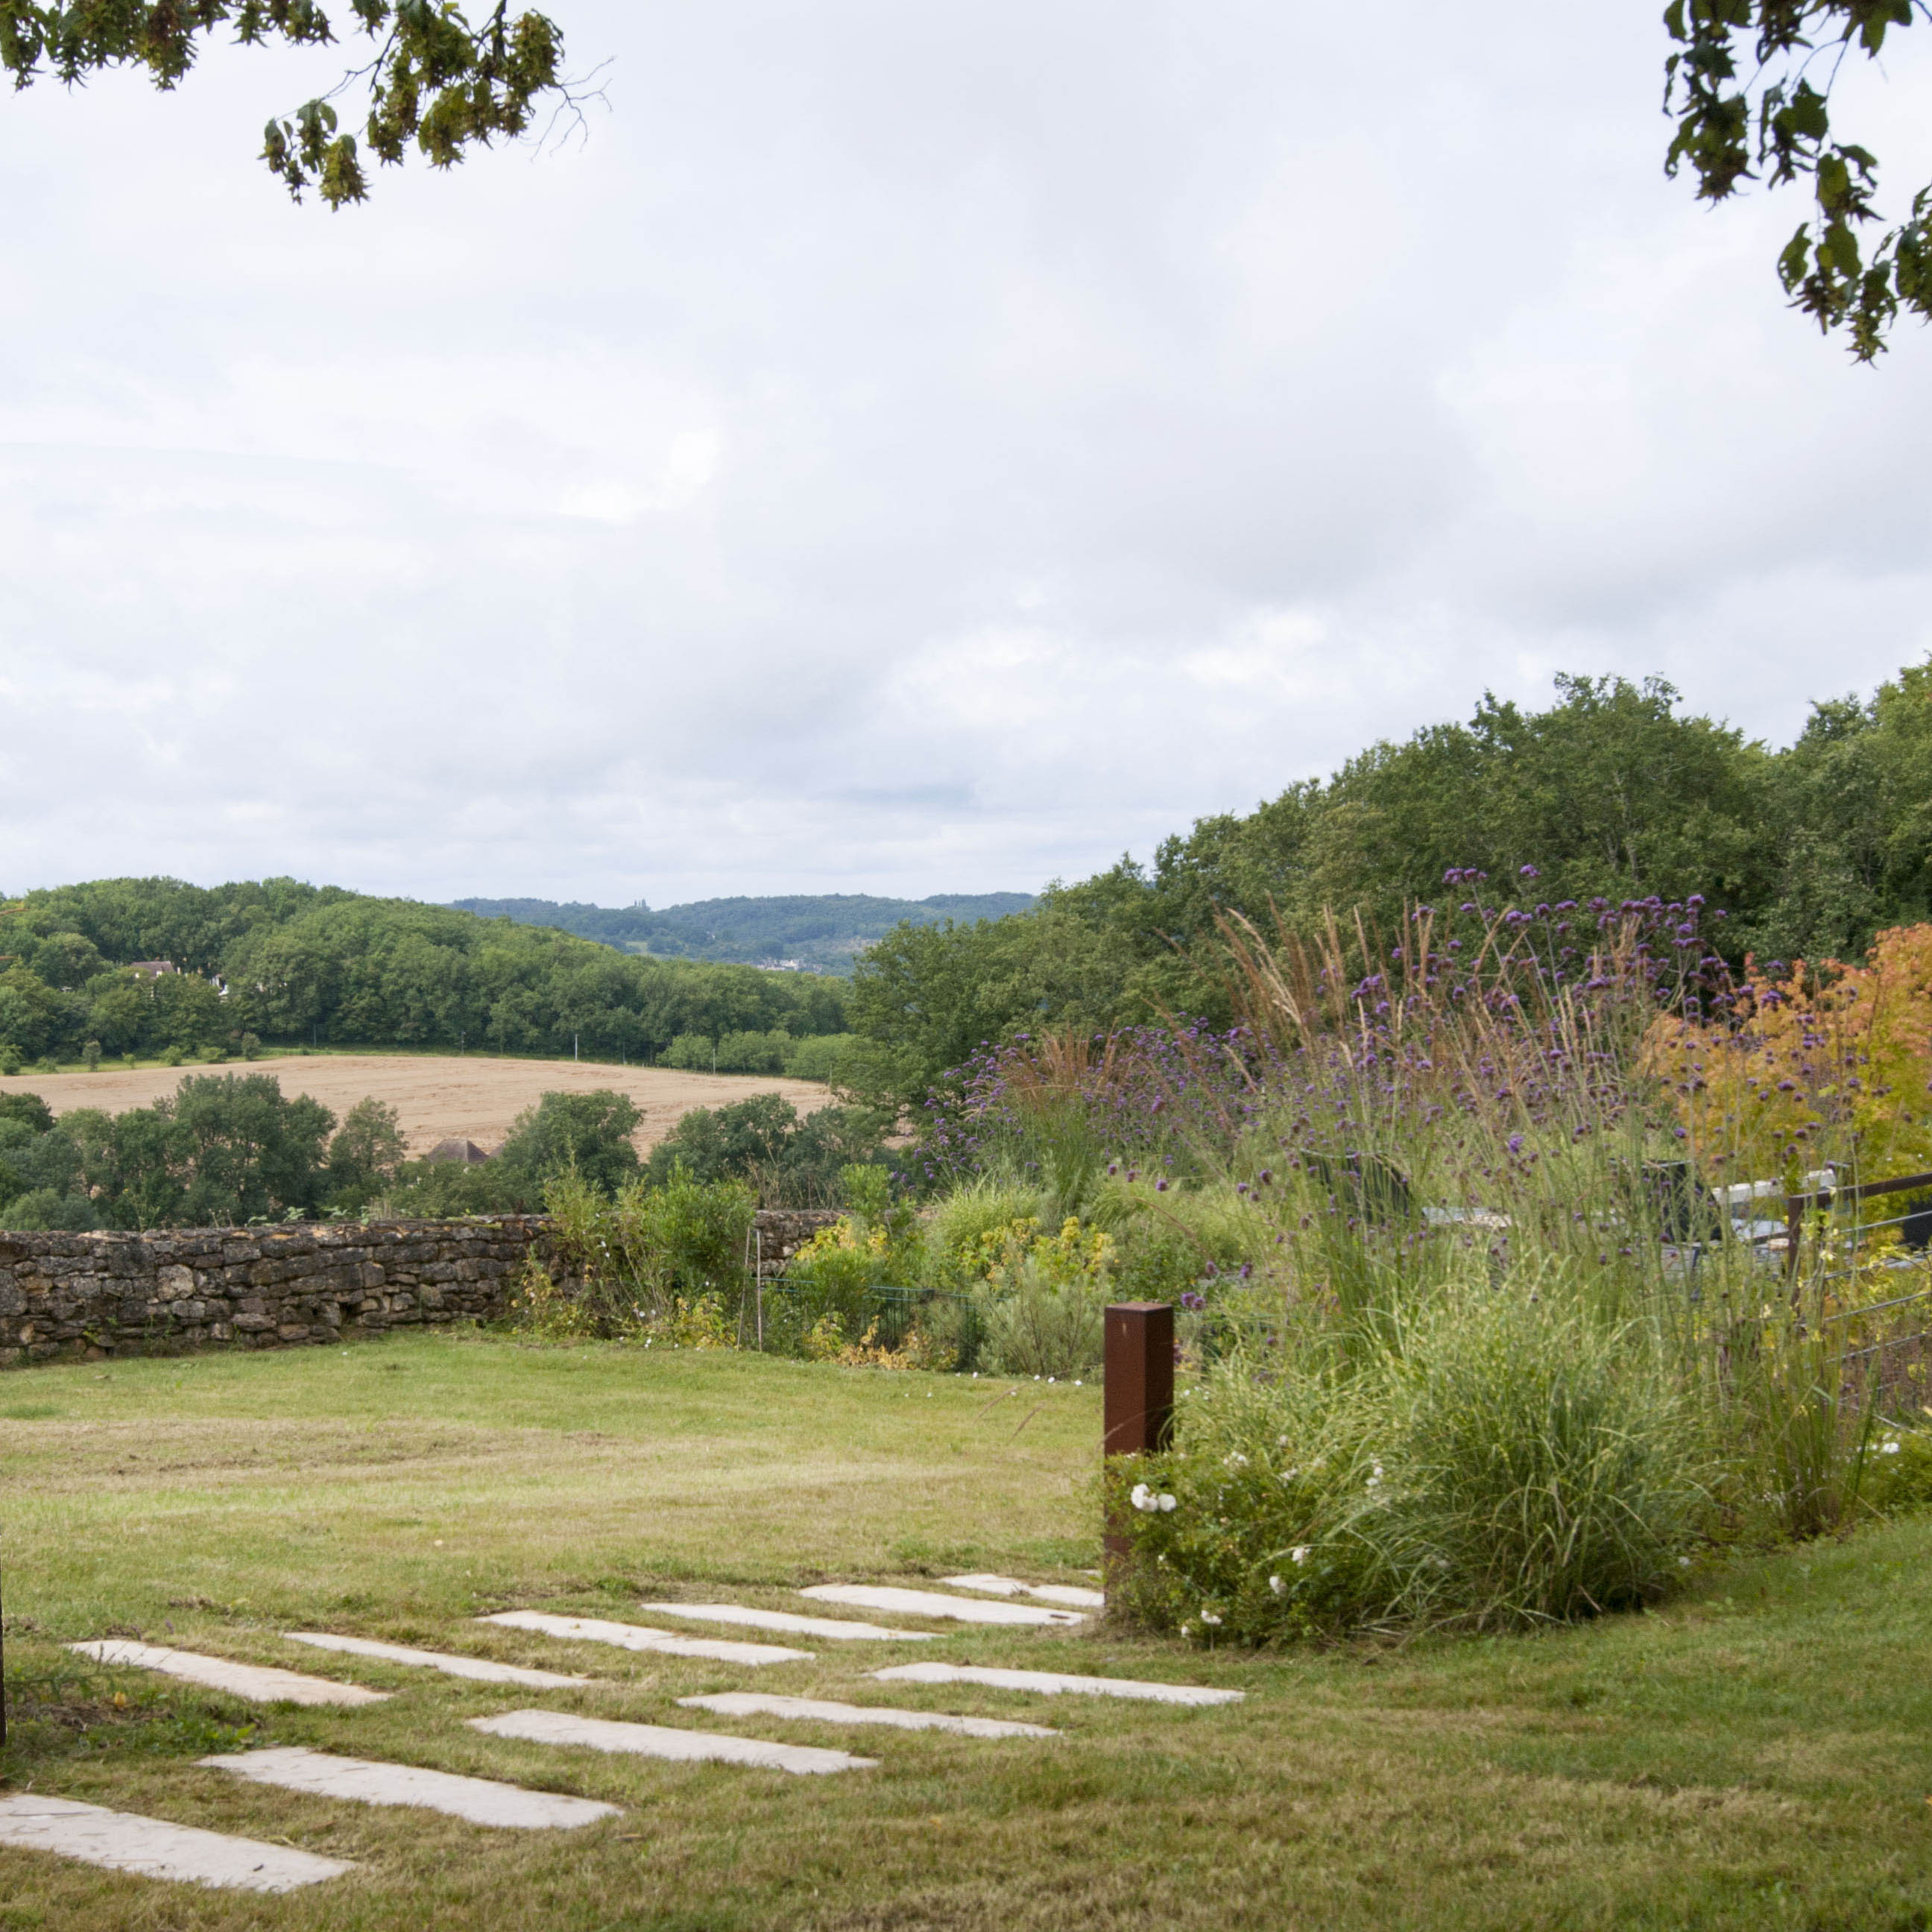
[{"x": 1139, "y": 1389}]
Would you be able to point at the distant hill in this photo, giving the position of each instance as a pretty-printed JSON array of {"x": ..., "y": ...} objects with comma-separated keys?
[{"x": 821, "y": 933}]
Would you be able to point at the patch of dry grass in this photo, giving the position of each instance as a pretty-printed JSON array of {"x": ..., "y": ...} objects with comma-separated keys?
[{"x": 1756, "y": 1756}]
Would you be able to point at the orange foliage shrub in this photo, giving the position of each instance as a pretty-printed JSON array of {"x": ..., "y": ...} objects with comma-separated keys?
[{"x": 1830, "y": 1064}]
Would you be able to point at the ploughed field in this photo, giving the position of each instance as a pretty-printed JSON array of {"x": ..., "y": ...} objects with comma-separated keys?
[
  {"x": 1754, "y": 1753},
  {"x": 468, "y": 1096}
]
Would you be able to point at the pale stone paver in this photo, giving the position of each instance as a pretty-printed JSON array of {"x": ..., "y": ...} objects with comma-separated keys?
[
  {"x": 258, "y": 1683},
  {"x": 1051, "y": 1683},
  {"x": 637, "y": 1636},
  {"x": 756, "y": 1704},
  {"x": 935, "y": 1603},
  {"x": 834, "y": 1627},
  {"x": 1072, "y": 1595},
  {"x": 482, "y": 1800},
  {"x": 152, "y": 1848},
  {"x": 661, "y": 1741},
  {"x": 479, "y": 1670}
]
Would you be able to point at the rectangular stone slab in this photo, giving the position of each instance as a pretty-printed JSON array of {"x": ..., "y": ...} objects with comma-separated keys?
[
  {"x": 152, "y": 1848},
  {"x": 480, "y": 1669},
  {"x": 1072, "y": 1595},
  {"x": 481, "y": 1800},
  {"x": 559, "y": 1727},
  {"x": 933, "y": 1604},
  {"x": 257, "y": 1682},
  {"x": 756, "y": 1704},
  {"x": 637, "y": 1636},
  {"x": 1051, "y": 1683},
  {"x": 834, "y": 1627}
]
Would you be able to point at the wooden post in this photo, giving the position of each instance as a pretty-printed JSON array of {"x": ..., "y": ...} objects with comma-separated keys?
[{"x": 1139, "y": 1400}]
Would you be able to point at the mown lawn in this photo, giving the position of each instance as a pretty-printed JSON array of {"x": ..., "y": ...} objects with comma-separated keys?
[{"x": 1758, "y": 1754}]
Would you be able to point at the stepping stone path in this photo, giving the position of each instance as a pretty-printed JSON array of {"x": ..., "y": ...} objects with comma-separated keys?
[
  {"x": 481, "y": 1800},
  {"x": 932, "y": 1603},
  {"x": 755, "y": 1704},
  {"x": 835, "y": 1628},
  {"x": 258, "y": 1683},
  {"x": 637, "y": 1636},
  {"x": 559, "y": 1727},
  {"x": 153, "y": 1848},
  {"x": 122, "y": 1841},
  {"x": 1051, "y": 1683},
  {"x": 1069, "y": 1593},
  {"x": 481, "y": 1669}
]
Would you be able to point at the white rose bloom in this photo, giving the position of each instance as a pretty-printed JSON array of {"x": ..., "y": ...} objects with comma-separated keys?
[{"x": 1168, "y": 1503}]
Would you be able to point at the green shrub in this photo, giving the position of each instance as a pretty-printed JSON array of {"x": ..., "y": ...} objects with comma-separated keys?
[
  {"x": 29, "y": 1109},
  {"x": 588, "y": 1134},
  {"x": 831, "y": 1285},
  {"x": 1515, "y": 1461},
  {"x": 366, "y": 1155},
  {"x": 822, "y": 1057},
  {"x": 753, "y": 1052},
  {"x": 1040, "y": 1306},
  {"x": 11, "y": 1059},
  {"x": 442, "y": 1190},
  {"x": 1896, "y": 1474},
  {"x": 45, "y": 1207},
  {"x": 654, "y": 1259},
  {"x": 692, "y": 1052},
  {"x": 789, "y": 1162}
]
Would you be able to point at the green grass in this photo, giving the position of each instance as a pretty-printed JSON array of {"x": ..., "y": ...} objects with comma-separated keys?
[{"x": 1758, "y": 1754}]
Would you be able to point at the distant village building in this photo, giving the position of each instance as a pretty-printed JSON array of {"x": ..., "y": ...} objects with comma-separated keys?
[
  {"x": 153, "y": 969},
  {"x": 467, "y": 1152}
]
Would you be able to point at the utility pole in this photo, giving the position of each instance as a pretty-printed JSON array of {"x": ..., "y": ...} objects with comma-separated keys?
[{"x": 573, "y": 1047}]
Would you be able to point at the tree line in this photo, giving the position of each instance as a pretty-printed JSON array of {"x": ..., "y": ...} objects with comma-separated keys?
[
  {"x": 226, "y": 1149},
  {"x": 278, "y": 961},
  {"x": 1613, "y": 790}
]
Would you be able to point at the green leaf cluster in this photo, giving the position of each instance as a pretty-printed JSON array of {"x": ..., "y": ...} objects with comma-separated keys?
[
  {"x": 435, "y": 82},
  {"x": 1741, "y": 86}
]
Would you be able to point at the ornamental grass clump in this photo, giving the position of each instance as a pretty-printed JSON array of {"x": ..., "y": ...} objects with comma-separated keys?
[{"x": 1514, "y": 1461}]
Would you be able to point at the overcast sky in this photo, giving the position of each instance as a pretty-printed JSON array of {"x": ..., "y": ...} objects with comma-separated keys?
[{"x": 906, "y": 449}]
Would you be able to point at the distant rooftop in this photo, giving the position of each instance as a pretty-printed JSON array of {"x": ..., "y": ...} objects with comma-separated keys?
[{"x": 467, "y": 1152}]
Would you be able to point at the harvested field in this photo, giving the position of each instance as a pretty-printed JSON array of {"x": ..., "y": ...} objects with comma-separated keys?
[{"x": 436, "y": 1096}]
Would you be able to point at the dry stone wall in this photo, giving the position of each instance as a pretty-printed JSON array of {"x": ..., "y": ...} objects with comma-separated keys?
[
  {"x": 95, "y": 1295},
  {"x": 782, "y": 1232}
]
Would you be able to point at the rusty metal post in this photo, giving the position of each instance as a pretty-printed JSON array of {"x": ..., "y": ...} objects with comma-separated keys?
[{"x": 1138, "y": 1402}]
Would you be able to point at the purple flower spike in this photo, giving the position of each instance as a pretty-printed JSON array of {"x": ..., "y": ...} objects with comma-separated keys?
[
  {"x": 1528, "y": 872},
  {"x": 1160, "y": 1186},
  {"x": 1516, "y": 1143}
]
